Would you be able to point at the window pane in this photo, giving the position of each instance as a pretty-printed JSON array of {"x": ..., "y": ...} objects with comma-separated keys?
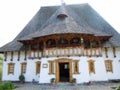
[
  {"x": 11, "y": 68},
  {"x": 38, "y": 67},
  {"x": 108, "y": 64}
]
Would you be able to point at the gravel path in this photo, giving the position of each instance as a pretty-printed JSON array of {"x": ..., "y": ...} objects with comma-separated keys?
[{"x": 99, "y": 86}]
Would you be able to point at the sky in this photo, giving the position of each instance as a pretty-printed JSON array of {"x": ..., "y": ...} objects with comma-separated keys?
[{"x": 15, "y": 14}]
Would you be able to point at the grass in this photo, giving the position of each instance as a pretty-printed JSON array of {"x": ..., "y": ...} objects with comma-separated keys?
[{"x": 0, "y": 67}]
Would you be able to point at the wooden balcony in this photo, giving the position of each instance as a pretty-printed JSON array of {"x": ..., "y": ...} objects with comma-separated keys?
[
  {"x": 68, "y": 51},
  {"x": 72, "y": 51}
]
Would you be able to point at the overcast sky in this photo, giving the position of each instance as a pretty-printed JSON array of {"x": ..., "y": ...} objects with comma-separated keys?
[{"x": 15, "y": 14}]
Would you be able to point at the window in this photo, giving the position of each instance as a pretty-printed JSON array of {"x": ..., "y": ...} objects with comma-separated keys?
[
  {"x": 108, "y": 65},
  {"x": 51, "y": 67},
  {"x": 62, "y": 42},
  {"x": 34, "y": 47},
  {"x": 38, "y": 64},
  {"x": 11, "y": 68},
  {"x": 76, "y": 67},
  {"x": 91, "y": 66},
  {"x": 75, "y": 41},
  {"x": 51, "y": 43},
  {"x": 87, "y": 44},
  {"x": 23, "y": 67},
  {"x": 95, "y": 44},
  {"x": 62, "y": 16}
]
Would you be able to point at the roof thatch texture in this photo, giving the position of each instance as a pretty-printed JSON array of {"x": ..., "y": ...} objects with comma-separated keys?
[{"x": 80, "y": 19}]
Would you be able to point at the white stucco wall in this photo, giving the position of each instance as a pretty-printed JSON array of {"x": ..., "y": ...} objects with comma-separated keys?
[{"x": 84, "y": 76}]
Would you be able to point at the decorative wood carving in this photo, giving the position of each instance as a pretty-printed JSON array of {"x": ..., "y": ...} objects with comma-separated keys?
[{"x": 73, "y": 45}]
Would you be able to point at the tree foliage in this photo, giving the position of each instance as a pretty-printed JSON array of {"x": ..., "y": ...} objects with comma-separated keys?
[{"x": 1, "y": 58}]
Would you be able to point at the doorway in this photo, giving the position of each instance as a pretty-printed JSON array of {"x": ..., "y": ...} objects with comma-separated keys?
[{"x": 64, "y": 72}]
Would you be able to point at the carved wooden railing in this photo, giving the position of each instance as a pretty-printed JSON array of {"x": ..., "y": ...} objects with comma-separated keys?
[
  {"x": 72, "y": 51},
  {"x": 35, "y": 55},
  {"x": 68, "y": 51}
]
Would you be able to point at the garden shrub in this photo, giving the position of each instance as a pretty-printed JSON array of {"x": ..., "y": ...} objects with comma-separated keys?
[
  {"x": 118, "y": 88},
  {"x": 1, "y": 87},
  {"x": 7, "y": 86}
]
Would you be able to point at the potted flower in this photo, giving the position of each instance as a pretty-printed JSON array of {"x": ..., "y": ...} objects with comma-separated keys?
[
  {"x": 74, "y": 81},
  {"x": 21, "y": 78},
  {"x": 52, "y": 81}
]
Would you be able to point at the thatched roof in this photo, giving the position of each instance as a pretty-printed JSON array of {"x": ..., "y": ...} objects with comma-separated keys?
[{"x": 51, "y": 20}]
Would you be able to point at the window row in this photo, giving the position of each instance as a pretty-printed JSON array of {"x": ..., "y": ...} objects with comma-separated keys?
[
  {"x": 23, "y": 67},
  {"x": 108, "y": 66},
  {"x": 91, "y": 65},
  {"x": 62, "y": 42}
]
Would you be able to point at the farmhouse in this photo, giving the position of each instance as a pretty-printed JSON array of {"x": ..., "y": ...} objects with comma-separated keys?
[{"x": 64, "y": 42}]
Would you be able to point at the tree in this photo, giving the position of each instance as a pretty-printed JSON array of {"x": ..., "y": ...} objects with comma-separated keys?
[{"x": 1, "y": 57}]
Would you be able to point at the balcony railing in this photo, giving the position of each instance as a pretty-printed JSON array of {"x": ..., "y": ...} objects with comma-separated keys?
[{"x": 68, "y": 51}]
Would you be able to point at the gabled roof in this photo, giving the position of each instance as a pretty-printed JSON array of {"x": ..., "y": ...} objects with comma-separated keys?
[
  {"x": 65, "y": 23},
  {"x": 78, "y": 19}
]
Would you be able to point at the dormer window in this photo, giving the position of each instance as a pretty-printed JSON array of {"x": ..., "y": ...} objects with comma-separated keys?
[{"x": 62, "y": 16}]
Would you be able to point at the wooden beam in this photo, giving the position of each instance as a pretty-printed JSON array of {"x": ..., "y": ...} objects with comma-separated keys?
[
  {"x": 106, "y": 52},
  {"x": 114, "y": 51},
  {"x": 12, "y": 55},
  {"x": 18, "y": 55},
  {"x": 5, "y": 55}
]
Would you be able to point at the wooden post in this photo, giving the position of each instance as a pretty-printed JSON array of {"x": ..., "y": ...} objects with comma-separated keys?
[
  {"x": 100, "y": 49},
  {"x": 86, "y": 51},
  {"x": 11, "y": 55},
  {"x": 82, "y": 47},
  {"x": 44, "y": 54},
  {"x": 38, "y": 50},
  {"x": 18, "y": 55},
  {"x": 29, "y": 50},
  {"x": 25, "y": 52},
  {"x": 5, "y": 55},
  {"x": 114, "y": 51},
  {"x": 25, "y": 55},
  {"x": 91, "y": 48},
  {"x": 106, "y": 52}
]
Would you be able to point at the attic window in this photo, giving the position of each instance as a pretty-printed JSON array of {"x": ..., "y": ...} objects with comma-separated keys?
[{"x": 62, "y": 16}]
